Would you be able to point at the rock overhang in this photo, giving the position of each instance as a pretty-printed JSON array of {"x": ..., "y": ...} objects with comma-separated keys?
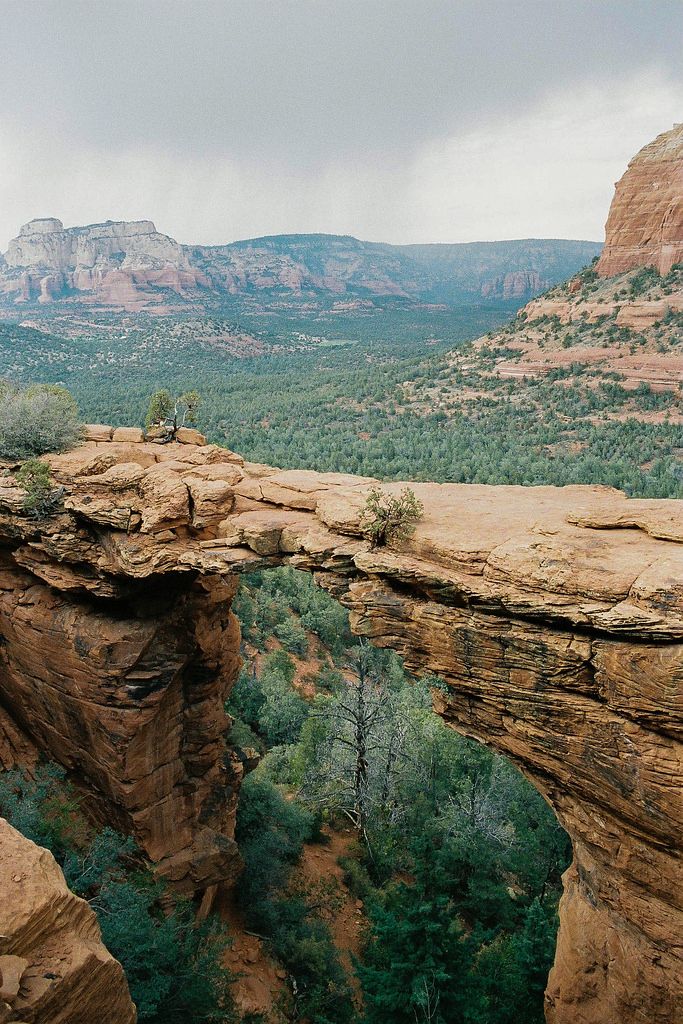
[{"x": 555, "y": 616}]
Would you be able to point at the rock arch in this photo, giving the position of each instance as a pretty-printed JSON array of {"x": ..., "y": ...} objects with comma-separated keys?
[{"x": 555, "y": 615}]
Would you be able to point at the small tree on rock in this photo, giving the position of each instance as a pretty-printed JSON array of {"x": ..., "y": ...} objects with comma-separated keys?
[
  {"x": 41, "y": 497},
  {"x": 385, "y": 517},
  {"x": 168, "y": 413}
]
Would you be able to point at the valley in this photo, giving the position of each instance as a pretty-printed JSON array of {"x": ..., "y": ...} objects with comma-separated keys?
[{"x": 277, "y": 753}]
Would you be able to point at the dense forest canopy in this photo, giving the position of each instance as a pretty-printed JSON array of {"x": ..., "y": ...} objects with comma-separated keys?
[{"x": 368, "y": 392}]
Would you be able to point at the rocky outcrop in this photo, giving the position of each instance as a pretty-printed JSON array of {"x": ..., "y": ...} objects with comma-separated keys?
[
  {"x": 554, "y": 614},
  {"x": 120, "y": 264},
  {"x": 645, "y": 223},
  {"x": 54, "y": 968},
  {"x": 130, "y": 265},
  {"x": 515, "y": 285}
]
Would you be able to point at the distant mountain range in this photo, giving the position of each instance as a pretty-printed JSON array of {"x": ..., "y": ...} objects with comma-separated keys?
[{"x": 129, "y": 265}]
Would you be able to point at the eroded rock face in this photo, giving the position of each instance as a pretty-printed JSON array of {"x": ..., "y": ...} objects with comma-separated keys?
[
  {"x": 130, "y": 265},
  {"x": 645, "y": 223},
  {"x": 54, "y": 968},
  {"x": 554, "y": 614},
  {"x": 124, "y": 264}
]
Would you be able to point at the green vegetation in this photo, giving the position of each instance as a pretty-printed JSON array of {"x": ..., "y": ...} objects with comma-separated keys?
[
  {"x": 42, "y": 497},
  {"x": 36, "y": 419},
  {"x": 458, "y": 860},
  {"x": 386, "y": 517},
  {"x": 271, "y": 831},
  {"x": 173, "y": 965},
  {"x": 168, "y": 413},
  {"x": 394, "y": 405}
]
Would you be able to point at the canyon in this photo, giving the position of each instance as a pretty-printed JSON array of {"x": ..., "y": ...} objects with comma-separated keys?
[
  {"x": 555, "y": 616},
  {"x": 129, "y": 265}
]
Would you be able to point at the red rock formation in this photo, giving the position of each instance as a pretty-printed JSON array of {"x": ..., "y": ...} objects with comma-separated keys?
[
  {"x": 645, "y": 223},
  {"x": 54, "y": 968},
  {"x": 554, "y": 614},
  {"x": 130, "y": 265}
]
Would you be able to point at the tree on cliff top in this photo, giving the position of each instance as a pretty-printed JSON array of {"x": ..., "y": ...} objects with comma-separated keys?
[
  {"x": 37, "y": 419},
  {"x": 168, "y": 413}
]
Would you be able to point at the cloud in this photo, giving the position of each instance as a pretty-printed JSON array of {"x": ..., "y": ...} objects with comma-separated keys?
[{"x": 402, "y": 120}]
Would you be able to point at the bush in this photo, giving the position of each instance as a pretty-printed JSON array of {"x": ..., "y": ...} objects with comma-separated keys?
[
  {"x": 41, "y": 497},
  {"x": 385, "y": 518},
  {"x": 39, "y": 419}
]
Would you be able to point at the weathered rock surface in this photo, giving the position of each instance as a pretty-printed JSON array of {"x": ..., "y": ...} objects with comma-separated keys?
[
  {"x": 645, "y": 223},
  {"x": 54, "y": 968},
  {"x": 554, "y": 614},
  {"x": 124, "y": 264}
]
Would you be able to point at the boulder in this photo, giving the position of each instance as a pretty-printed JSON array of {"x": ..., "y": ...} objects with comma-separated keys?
[
  {"x": 187, "y": 435},
  {"x": 97, "y": 432},
  {"x": 53, "y": 964},
  {"x": 131, "y": 435}
]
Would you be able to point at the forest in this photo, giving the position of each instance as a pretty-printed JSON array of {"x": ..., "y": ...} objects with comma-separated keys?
[{"x": 395, "y": 393}]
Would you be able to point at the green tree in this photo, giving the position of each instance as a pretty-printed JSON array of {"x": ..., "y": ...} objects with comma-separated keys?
[
  {"x": 417, "y": 962},
  {"x": 168, "y": 413}
]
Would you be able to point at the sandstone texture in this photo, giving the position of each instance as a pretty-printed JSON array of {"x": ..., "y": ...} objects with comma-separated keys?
[
  {"x": 555, "y": 615},
  {"x": 54, "y": 968},
  {"x": 645, "y": 223},
  {"x": 121, "y": 264}
]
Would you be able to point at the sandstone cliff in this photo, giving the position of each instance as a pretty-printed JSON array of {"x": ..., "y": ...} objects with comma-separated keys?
[
  {"x": 130, "y": 265},
  {"x": 554, "y": 614},
  {"x": 54, "y": 968},
  {"x": 121, "y": 264},
  {"x": 645, "y": 223}
]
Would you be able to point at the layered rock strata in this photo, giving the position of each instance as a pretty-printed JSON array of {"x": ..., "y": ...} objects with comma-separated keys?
[
  {"x": 54, "y": 968},
  {"x": 555, "y": 615},
  {"x": 130, "y": 265},
  {"x": 645, "y": 223},
  {"x": 124, "y": 264}
]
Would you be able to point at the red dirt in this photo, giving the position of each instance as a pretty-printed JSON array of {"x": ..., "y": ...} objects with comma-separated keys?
[{"x": 261, "y": 984}]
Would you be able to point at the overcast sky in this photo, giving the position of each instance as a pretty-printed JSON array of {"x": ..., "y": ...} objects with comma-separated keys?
[{"x": 392, "y": 120}]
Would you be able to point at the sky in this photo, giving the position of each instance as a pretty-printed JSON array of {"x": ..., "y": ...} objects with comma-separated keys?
[{"x": 391, "y": 120}]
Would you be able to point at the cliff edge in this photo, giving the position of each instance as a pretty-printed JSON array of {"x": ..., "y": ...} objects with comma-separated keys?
[
  {"x": 555, "y": 615},
  {"x": 645, "y": 223}
]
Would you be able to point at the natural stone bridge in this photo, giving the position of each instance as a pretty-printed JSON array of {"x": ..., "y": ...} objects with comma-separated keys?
[{"x": 554, "y": 614}]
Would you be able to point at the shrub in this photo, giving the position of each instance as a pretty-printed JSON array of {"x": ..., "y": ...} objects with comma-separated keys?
[
  {"x": 293, "y": 637},
  {"x": 385, "y": 517},
  {"x": 41, "y": 418},
  {"x": 41, "y": 497}
]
